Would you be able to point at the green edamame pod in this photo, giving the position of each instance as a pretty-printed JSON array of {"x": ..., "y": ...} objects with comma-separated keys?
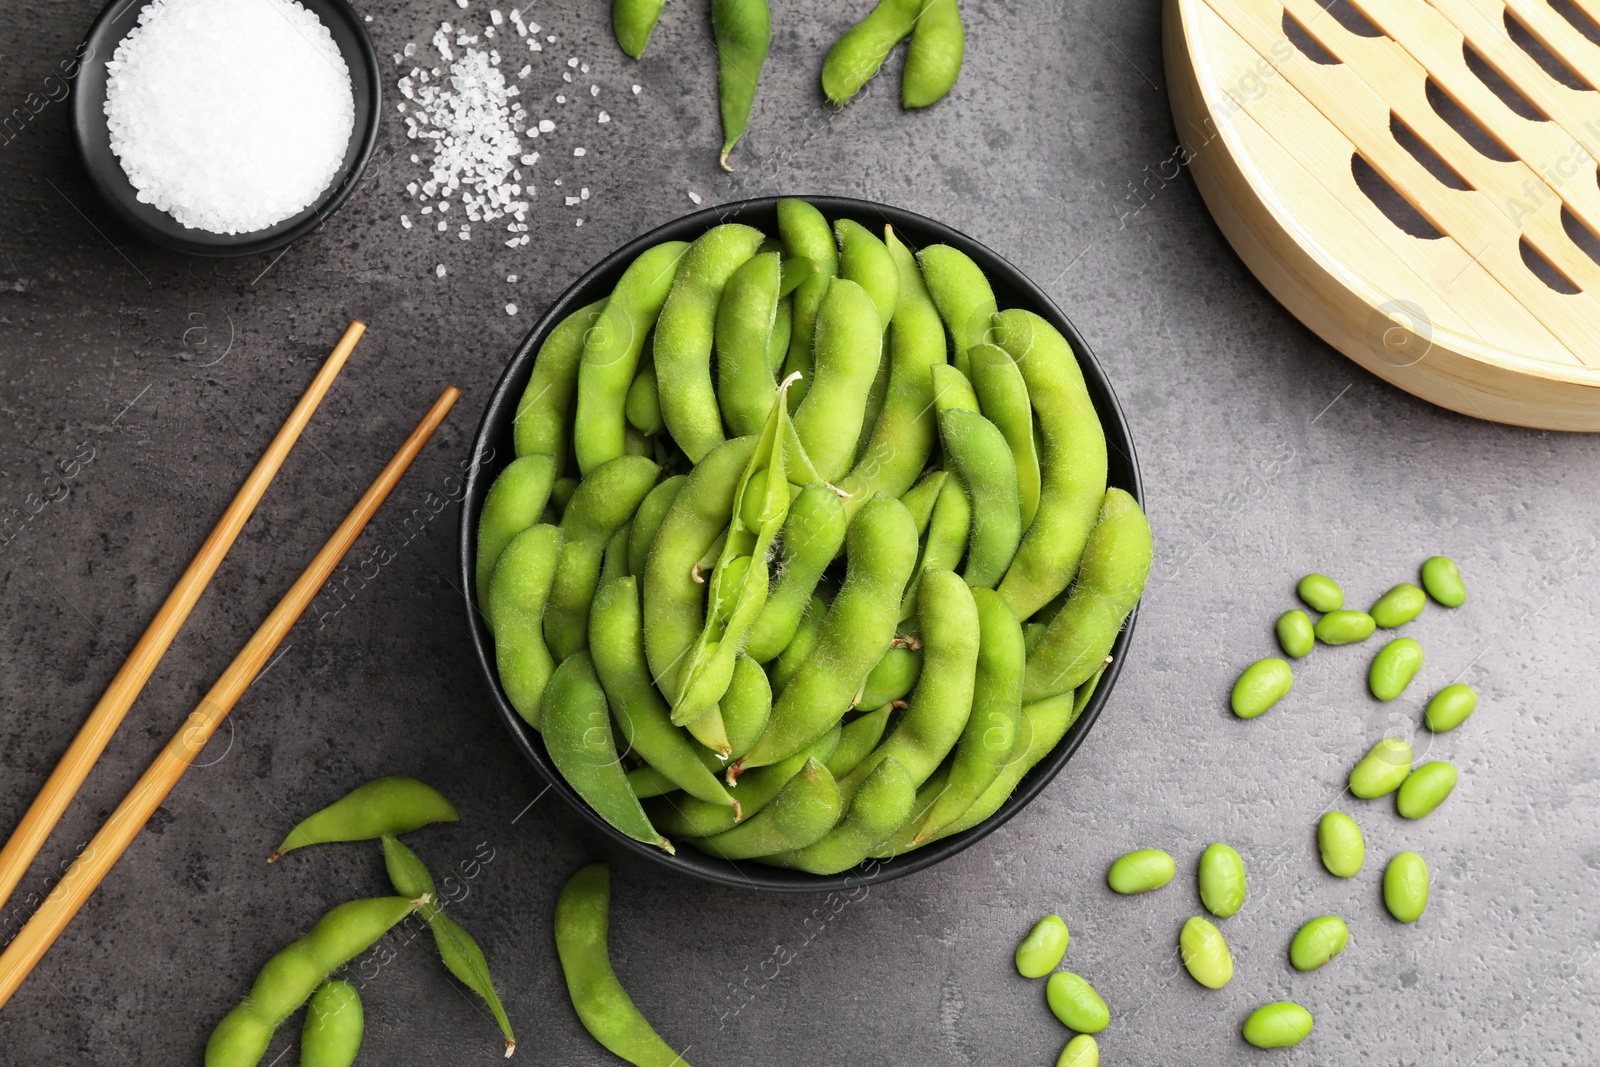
[
  {"x": 856, "y": 57},
  {"x": 1003, "y": 400},
  {"x": 514, "y": 502},
  {"x": 686, "y": 330},
  {"x": 746, "y": 315},
  {"x": 848, "y": 347},
  {"x": 811, "y": 538},
  {"x": 807, "y": 235},
  {"x": 1405, "y": 887},
  {"x": 1340, "y": 842},
  {"x": 643, "y": 403},
  {"x": 519, "y": 589},
  {"x": 875, "y": 397},
  {"x": 603, "y": 1006},
  {"x": 990, "y": 734},
  {"x": 1075, "y": 1002},
  {"x": 1222, "y": 881},
  {"x": 1393, "y": 668},
  {"x": 647, "y": 521},
  {"x": 674, "y": 602},
  {"x": 691, "y": 817},
  {"x": 782, "y": 331},
  {"x": 648, "y": 782},
  {"x": 949, "y": 529},
  {"x": 1450, "y": 707},
  {"x": 1263, "y": 684},
  {"x": 804, "y": 810},
  {"x": 1044, "y": 948},
  {"x": 1116, "y": 563},
  {"x": 1425, "y": 789},
  {"x": 902, "y": 438},
  {"x": 1442, "y": 579},
  {"x": 632, "y": 21},
  {"x": 561, "y": 495},
  {"x": 1205, "y": 953},
  {"x": 604, "y": 500},
  {"x": 952, "y": 390},
  {"x": 799, "y": 648},
  {"x": 1295, "y": 634},
  {"x": 1072, "y": 466},
  {"x": 1281, "y": 1024},
  {"x": 965, "y": 300},
  {"x": 457, "y": 950},
  {"x": 1344, "y": 627},
  {"x": 746, "y": 706},
  {"x": 933, "y": 58},
  {"x": 865, "y": 260},
  {"x": 743, "y": 31},
  {"x": 1320, "y": 593},
  {"x": 1398, "y": 606},
  {"x": 543, "y": 422},
  {"x": 881, "y": 804},
  {"x": 577, "y": 734},
  {"x": 1382, "y": 769},
  {"x": 1141, "y": 871},
  {"x": 942, "y": 702},
  {"x": 880, "y": 551},
  {"x": 920, "y": 499},
  {"x": 611, "y": 351},
  {"x": 978, "y": 452},
  {"x": 614, "y": 564},
  {"x": 616, "y": 644},
  {"x": 857, "y": 739},
  {"x": 289, "y": 978},
  {"x": 894, "y": 677},
  {"x": 331, "y": 1036},
  {"x": 1317, "y": 942},
  {"x": 391, "y": 805}
]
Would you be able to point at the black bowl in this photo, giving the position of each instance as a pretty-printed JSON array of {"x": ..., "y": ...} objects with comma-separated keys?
[
  {"x": 493, "y": 450},
  {"x": 93, "y": 136}
]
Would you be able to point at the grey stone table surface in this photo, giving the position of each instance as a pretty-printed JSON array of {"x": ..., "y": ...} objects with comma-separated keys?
[{"x": 137, "y": 387}]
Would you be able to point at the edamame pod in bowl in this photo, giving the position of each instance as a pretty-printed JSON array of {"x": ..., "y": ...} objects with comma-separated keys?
[{"x": 694, "y": 553}]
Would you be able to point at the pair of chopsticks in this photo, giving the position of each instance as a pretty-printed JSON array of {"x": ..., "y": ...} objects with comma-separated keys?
[{"x": 97, "y": 858}]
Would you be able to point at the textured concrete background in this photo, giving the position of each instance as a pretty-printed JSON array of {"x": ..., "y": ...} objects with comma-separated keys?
[{"x": 156, "y": 381}]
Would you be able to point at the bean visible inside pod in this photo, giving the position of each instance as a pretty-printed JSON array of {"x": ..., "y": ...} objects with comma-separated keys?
[
  {"x": 1450, "y": 707},
  {"x": 1442, "y": 580},
  {"x": 1398, "y": 606},
  {"x": 1296, "y": 636},
  {"x": 1043, "y": 949},
  {"x": 1393, "y": 668},
  {"x": 1340, "y": 842},
  {"x": 1075, "y": 1002},
  {"x": 1344, "y": 627},
  {"x": 1205, "y": 953},
  {"x": 1222, "y": 884},
  {"x": 1262, "y": 685},
  {"x": 1320, "y": 593},
  {"x": 1425, "y": 789},
  {"x": 1141, "y": 871},
  {"x": 1405, "y": 887},
  {"x": 1281, "y": 1024},
  {"x": 1382, "y": 769},
  {"x": 1317, "y": 942}
]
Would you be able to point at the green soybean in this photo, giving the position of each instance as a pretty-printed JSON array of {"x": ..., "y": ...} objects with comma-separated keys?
[
  {"x": 902, "y": 439},
  {"x": 1141, "y": 871},
  {"x": 857, "y": 739},
  {"x": 1003, "y": 400},
  {"x": 746, "y": 706},
  {"x": 1222, "y": 881},
  {"x": 880, "y": 806},
  {"x": 1072, "y": 463},
  {"x": 856, "y": 57},
  {"x": 1044, "y": 948},
  {"x": 895, "y": 676},
  {"x": 965, "y": 300},
  {"x": 1425, "y": 789},
  {"x": 1382, "y": 769},
  {"x": 1344, "y": 627},
  {"x": 1320, "y": 593},
  {"x": 603, "y": 1006},
  {"x": 848, "y": 348},
  {"x": 577, "y": 734},
  {"x": 933, "y": 58},
  {"x": 782, "y": 331},
  {"x": 543, "y": 423},
  {"x": 1295, "y": 634},
  {"x": 1442, "y": 579},
  {"x": 648, "y": 782},
  {"x": 288, "y": 979},
  {"x": 805, "y": 809},
  {"x": 642, "y": 406},
  {"x": 800, "y": 647},
  {"x": 1340, "y": 842},
  {"x": 647, "y": 521},
  {"x": 949, "y": 528},
  {"x": 1263, "y": 684},
  {"x": 1317, "y": 942},
  {"x": 952, "y": 390},
  {"x": 604, "y": 500},
  {"x": 866, "y": 261},
  {"x": 807, "y": 235},
  {"x": 921, "y": 498},
  {"x": 1405, "y": 887},
  {"x": 743, "y": 31},
  {"x": 1205, "y": 953},
  {"x": 1398, "y": 606},
  {"x": 1075, "y": 1002},
  {"x": 685, "y": 333},
  {"x": 880, "y": 551},
  {"x": 977, "y": 450},
  {"x": 334, "y": 1022},
  {"x": 691, "y": 817},
  {"x": 611, "y": 351},
  {"x": 1393, "y": 668},
  {"x": 1081, "y": 1051},
  {"x": 632, "y": 21},
  {"x": 1450, "y": 707},
  {"x": 1281, "y": 1024},
  {"x": 1116, "y": 562},
  {"x": 746, "y": 316},
  {"x": 812, "y": 536},
  {"x": 519, "y": 589},
  {"x": 514, "y": 502},
  {"x": 391, "y": 805}
]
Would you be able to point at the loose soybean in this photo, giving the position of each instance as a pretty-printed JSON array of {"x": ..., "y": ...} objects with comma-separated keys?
[
  {"x": 1205, "y": 953},
  {"x": 1262, "y": 685},
  {"x": 1075, "y": 1002},
  {"x": 1044, "y": 948},
  {"x": 1344, "y": 627},
  {"x": 1405, "y": 887},
  {"x": 1450, "y": 707},
  {"x": 1393, "y": 668},
  {"x": 1442, "y": 580},
  {"x": 1425, "y": 789},
  {"x": 1320, "y": 593},
  {"x": 1317, "y": 942},
  {"x": 1281, "y": 1024},
  {"x": 1141, "y": 871},
  {"x": 1341, "y": 844},
  {"x": 1398, "y": 606},
  {"x": 1295, "y": 634},
  {"x": 1382, "y": 769},
  {"x": 1222, "y": 881}
]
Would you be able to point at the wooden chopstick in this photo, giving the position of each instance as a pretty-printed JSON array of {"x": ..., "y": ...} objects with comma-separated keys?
[
  {"x": 97, "y": 858},
  {"x": 95, "y": 734}
]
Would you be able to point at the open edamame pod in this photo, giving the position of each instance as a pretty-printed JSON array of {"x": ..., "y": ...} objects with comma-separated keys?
[
  {"x": 933, "y": 58},
  {"x": 331, "y": 1036},
  {"x": 963, "y": 296},
  {"x": 881, "y": 804},
  {"x": 544, "y": 414},
  {"x": 611, "y": 350},
  {"x": 577, "y": 734},
  {"x": 977, "y": 450},
  {"x": 685, "y": 332},
  {"x": 804, "y": 810},
  {"x": 743, "y": 31},
  {"x": 811, "y": 538},
  {"x": 849, "y": 345},
  {"x": 393, "y": 805},
  {"x": 880, "y": 551},
  {"x": 1072, "y": 468},
  {"x": 603, "y": 1006},
  {"x": 856, "y": 57},
  {"x": 514, "y": 502},
  {"x": 519, "y": 589},
  {"x": 1003, "y": 400}
]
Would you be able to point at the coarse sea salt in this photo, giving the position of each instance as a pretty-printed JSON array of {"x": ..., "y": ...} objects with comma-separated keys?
[{"x": 229, "y": 115}]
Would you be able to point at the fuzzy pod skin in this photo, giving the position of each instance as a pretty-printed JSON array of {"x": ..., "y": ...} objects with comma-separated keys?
[
  {"x": 933, "y": 58},
  {"x": 807, "y": 235},
  {"x": 848, "y": 348},
  {"x": 746, "y": 316},
  {"x": 865, "y": 260},
  {"x": 857, "y": 739},
  {"x": 857, "y": 56},
  {"x": 977, "y": 450},
  {"x": 543, "y": 422},
  {"x": 392, "y": 805},
  {"x": 581, "y": 920},
  {"x": 331, "y": 1036},
  {"x": 881, "y": 805},
  {"x": 519, "y": 589},
  {"x": 892, "y": 679},
  {"x": 643, "y": 403},
  {"x": 811, "y": 538},
  {"x": 632, "y": 22},
  {"x": 689, "y": 817},
  {"x": 514, "y": 502},
  {"x": 743, "y": 30},
  {"x": 965, "y": 300},
  {"x": 949, "y": 529},
  {"x": 648, "y": 519},
  {"x": 1003, "y": 400},
  {"x": 802, "y": 813}
]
